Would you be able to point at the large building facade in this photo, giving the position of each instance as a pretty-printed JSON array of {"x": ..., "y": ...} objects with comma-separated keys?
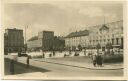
[
  {"x": 47, "y": 38},
  {"x": 110, "y": 33},
  {"x": 75, "y": 39},
  {"x": 46, "y": 41},
  {"x": 13, "y": 40}
]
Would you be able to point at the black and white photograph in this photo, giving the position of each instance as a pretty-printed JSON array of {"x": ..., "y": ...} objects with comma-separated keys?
[{"x": 63, "y": 39}]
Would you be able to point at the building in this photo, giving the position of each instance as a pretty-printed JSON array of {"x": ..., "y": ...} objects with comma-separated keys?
[
  {"x": 13, "y": 40},
  {"x": 77, "y": 38},
  {"x": 34, "y": 44},
  {"x": 46, "y": 41},
  {"x": 110, "y": 33},
  {"x": 43, "y": 41},
  {"x": 47, "y": 38}
]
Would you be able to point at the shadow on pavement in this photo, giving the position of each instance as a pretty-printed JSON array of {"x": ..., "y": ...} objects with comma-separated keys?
[{"x": 20, "y": 68}]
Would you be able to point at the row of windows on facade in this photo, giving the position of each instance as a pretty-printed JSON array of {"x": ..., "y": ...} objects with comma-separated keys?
[
  {"x": 95, "y": 37},
  {"x": 38, "y": 43},
  {"x": 14, "y": 37},
  {"x": 14, "y": 44},
  {"x": 34, "y": 44},
  {"x": 14, "y": 49},
  {"x": 94, "y": 42},
  {"x": 105, "y": 36},
  {"x": 11, "y": 41}
]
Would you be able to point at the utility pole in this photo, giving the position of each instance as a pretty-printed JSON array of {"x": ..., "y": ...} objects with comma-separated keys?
[
  {"x": 25, "y": 34},
  {"x": 104, "y": 19},
  {"x": 25, "y": 39}
]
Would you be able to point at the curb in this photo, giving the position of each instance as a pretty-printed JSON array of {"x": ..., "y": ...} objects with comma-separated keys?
[{"x": 78, "y": 66}]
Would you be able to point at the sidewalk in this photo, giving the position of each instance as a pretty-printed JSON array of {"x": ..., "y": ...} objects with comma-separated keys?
[
  {"x": 78, "y": 61},
  {"x": 81, "y": 62},
  {"x": 22, "y": 70},
  {"x": 45, "y": 70}
]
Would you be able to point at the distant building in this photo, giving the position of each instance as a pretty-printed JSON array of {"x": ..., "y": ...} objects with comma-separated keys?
[
  {"x": 43, "y": 41},
  {"x": 34, "y": 44},
  {"x": 13, "y": 40},
  {"x": 110, "y": 33},
  {"x": 46, "y": 41},
  {"x": 77, "y": 38}
]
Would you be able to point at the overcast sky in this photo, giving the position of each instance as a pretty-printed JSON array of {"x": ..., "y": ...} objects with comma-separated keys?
[{"x": 60, "y": 17}]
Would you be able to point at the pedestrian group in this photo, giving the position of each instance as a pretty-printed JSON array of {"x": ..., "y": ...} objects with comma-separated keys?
[{"x": 97, "y": 60}]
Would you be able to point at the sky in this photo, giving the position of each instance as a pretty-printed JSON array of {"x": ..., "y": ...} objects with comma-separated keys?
[{"x": 61, "y": 17}]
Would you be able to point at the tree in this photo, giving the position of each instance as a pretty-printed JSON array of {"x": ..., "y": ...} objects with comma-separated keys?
[
  {"x": 109, "y": 46},
  {"x": 79, "y": 47}
]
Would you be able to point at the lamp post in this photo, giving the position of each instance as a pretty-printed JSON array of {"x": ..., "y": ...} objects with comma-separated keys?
[{"x": 25, "y": 39}]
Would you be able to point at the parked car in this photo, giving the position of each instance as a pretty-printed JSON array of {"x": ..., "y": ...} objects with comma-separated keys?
[{"x": 22, "y": 55}]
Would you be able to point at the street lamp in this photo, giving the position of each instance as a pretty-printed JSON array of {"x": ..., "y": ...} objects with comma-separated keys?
[{"x": 25, "y": 39}]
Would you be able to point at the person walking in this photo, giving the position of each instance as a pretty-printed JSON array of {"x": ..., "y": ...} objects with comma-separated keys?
[
  {"x": 12, "y": 67},
  {"x": 64, "y": 55},
  {"x": 50, "y": 55},
  {"x": 53, "y": 53},
  {"x": 70, "y": 52},
  {"x": 94, "y": 60},
  {"x": 43, "y": 55},
  {"x": 28, "y": 62},
  {"x": 99, "y": 60}
]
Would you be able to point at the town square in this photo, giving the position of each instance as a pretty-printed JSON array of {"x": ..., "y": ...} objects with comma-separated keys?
[{"x": 63, "y": 40}]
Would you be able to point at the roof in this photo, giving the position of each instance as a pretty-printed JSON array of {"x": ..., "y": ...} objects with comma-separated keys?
[
  {"x": 47, "y": 31},
  {"x": 108, "y": 25},
  {"x": 104, "y": 27},
  {"x": 33, "y": 38},
  {"x": 92, "y": 29},
  {"x": 80, "y": 33},
  {"x": 14, "y": 29}
]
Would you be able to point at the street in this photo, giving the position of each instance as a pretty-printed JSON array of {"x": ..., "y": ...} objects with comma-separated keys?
[
  {"x": 49, "y": 70},
  {"x": 68, "y": 71}
]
